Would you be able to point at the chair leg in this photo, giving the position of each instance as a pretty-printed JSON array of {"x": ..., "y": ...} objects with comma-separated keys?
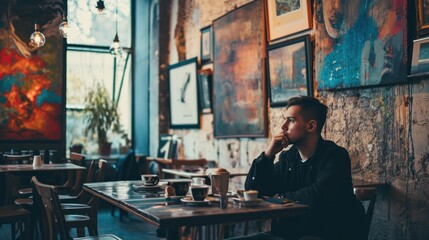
[
  {"x": 80, "y": 232},
  {"x": 12, "y": 229}
]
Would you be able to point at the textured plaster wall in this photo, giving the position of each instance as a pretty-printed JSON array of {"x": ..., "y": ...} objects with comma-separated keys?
[{"x": 385, "y": 129}]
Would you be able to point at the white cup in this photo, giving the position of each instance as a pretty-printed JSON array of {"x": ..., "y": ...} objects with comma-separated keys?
[
  {"x": 198, "y": 181},
  {"x": 37, "y": 161},
  {"x": 250, "y": 195}
]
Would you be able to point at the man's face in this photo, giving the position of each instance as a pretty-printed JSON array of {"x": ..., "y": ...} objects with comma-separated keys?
[
  {"x": 295, "y": 127},
  {"x": 339, "y": 16}
]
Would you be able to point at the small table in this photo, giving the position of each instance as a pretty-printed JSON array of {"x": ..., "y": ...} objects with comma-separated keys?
[
  {"x": 171, "y": 214},
  {"x": 233, "y": 172},
  {"x": 23, "y": 168}
]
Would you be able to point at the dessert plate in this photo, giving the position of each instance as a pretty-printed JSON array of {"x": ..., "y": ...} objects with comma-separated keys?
[
  {"x": 244, "y": 203},
  {"x": 190, "y": 202}
]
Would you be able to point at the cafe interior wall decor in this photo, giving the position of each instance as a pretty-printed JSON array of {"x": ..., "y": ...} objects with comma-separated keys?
[
  {"x": 376, "y": 39},
  {"x": 31, "y": 79},
  {"x": 238, "y": 73},
  {"x": 289, "y": 70}
]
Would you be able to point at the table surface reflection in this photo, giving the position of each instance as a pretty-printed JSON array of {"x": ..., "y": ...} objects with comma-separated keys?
[{"x": 171, "y": 213}]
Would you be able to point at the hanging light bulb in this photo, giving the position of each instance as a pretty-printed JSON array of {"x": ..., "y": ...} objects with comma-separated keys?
[
  {"x": 37, "y": 39},
  {"x": 115, "y": 47},
  {"x": 64, "y": 26},
  {"x": 100, "y": 6}
]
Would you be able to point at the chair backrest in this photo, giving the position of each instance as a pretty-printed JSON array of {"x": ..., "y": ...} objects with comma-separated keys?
[
  {"x": 49, "y": 205},
  {"x": 76, "y": 178},
  {"x": 180, "y": 164},
  {"x": 17, "y": 159},
  {"x": 128, "y": 168},
  {"x": 367, "y": 194}
]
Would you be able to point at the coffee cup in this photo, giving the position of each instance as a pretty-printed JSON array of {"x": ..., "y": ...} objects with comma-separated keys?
[
  {"x": 198, "y": 181},
  {"x": 220, "y": 181},
  {"x": 150, "y": 179},
  {"x": 199, "y": 192},
  {"x": 37, "y": 161},
  {"x": 181, "y": 186},
  {"x": 250, "y": 195}
]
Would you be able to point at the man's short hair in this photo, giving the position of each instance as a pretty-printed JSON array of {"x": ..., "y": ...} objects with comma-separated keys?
[{"x": 311, "y": 108}]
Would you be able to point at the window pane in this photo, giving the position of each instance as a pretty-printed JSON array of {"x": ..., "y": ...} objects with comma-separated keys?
[{"x": 88, "y": 27}]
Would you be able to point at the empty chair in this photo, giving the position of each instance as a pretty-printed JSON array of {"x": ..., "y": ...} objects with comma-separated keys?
[
  {"x": 55, "y": 222},
  {"x": 14, "y": 215},
  {"x": 368, "y": 195}
]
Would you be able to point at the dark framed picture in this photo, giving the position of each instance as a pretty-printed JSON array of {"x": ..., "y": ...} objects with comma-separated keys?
[
  {"x": 167, "y": 146},
  {"x": 239, "y": 96},
  {"x": 205, "y": 85},
  {"x": 206, "y": 45},
  {"x": 184, "y": 109},
  {"x": 422, "y": 17},
  {"x": 289, "y": 70}
]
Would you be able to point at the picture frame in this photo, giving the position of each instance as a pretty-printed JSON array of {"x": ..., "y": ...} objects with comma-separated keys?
[
  {"x": 205, "y": 90},
  {"x": 239, "y": 94},
  {"x": 420, "y": 57},
  {"x": 183, "y": 89},
  {"x": 289, "y": 70},
  {"x": 284, "y": 18},
  {"x": 167, "y": 148},
  {"x": 206, "y": 53},
  {"x": 422, "y": 17}
]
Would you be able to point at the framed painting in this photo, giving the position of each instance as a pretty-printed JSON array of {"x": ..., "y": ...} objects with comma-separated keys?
[
  {"x": 167, "y": 146},
  {"x": 420, "y": 57},
  {"x": 206, "y": 45},
  {"x": 184, "y": 109},
  {"x": 422, "y": 17},
  {"x": 287, "y": 17},
  {"x": 31, "y": 79},
  {"x": 360, "y": 48},
  {"x": 238, "y": 74},
  {"x": 289, "y": 70},
  {"x": 205, "y": 86}
]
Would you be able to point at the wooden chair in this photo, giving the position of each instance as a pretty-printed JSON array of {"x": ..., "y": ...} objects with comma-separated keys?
[
  {"x": 17, "y": 159},
  {"x": 12, "y": 215},
  {"x": 179, "y": 164},
  {"x": 367, "y": 195},
  {"x": 55, "y": 222}
]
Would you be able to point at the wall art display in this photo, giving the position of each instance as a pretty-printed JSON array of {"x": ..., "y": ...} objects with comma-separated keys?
[
  {"x": 357, "y": 46},
  {"x": 206, "y": 45},
  {"x": 287, "y": 17},
  {"x": 205, "y": 84},
  {"x": 184, "y": 110},
  {"x": 420, "y": 58},
  {"x": 289, "y": 70},
  {"x": 238, "y": 73},
  {"x": 31, "y": 79},
  {"x": 422, "y": 17}
]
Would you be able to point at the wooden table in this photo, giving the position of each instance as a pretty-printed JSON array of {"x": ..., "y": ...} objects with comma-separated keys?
[
  {"x": 233, "y": 172},
  {"x": 170, "y": 214},
  {"x": 23, "y": 168}
]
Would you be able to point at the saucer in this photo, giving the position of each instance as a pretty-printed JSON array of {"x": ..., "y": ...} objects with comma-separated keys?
[
  {"x": 244, "y": 203},
  {"x": 190, "y": 202}
]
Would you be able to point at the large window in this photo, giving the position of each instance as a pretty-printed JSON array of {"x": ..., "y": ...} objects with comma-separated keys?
[{"x": 89, "y": 62}]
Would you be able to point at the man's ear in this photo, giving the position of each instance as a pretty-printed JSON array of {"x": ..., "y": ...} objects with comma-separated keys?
[{"x": 312, "y": 125}]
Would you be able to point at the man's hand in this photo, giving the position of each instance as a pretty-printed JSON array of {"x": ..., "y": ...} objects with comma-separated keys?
[{"x": 277, "y": 143}]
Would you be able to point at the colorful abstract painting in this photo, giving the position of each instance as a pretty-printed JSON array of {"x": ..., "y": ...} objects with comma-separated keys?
[
  {"x": 238, "y": 78},
  {"x": 31, "y": 81},
  {"x": 360, "y": 43}
]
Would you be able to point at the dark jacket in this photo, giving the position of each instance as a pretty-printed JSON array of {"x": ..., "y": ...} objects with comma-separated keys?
[{"x": 324, "y": 182}]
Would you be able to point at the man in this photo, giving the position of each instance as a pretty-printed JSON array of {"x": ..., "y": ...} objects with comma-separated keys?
[{"x": 313, "y": 171}]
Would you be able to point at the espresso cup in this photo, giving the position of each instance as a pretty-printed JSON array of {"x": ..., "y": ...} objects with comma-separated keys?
[
  {"x": 150, "y": 179},
  {"x": 181, "y": 186},
  {"x": 250, "y": 195},
  {"x": 199, "y": 192}
]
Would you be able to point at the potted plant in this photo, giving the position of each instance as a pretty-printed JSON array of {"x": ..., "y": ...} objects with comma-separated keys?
[{"x": 101, "y": 117}]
